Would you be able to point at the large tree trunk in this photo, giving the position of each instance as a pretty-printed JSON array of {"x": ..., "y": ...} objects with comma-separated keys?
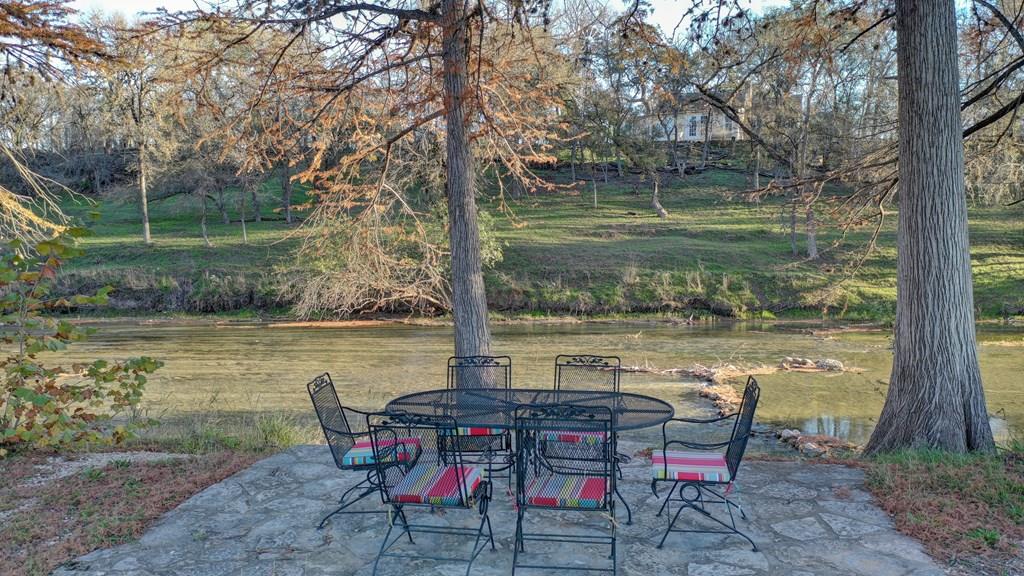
[
  {"x": 202, "y": 220},
  {"x": 812, "y": 233},
  {"x": 935, "y": 397},
  {"x": 144, "y": 196},
  {"x": 241, "y": 206},
  {"x": 572, "y": 160},
  {"x": 469, "y": 301},
  {"x": 655, "y": 202},
  {"x": 256, "y": 208},
  {"x": 792, "y": 228},
  {"x": 222, "y": 206},
  {"x": 286, "y": 191}
]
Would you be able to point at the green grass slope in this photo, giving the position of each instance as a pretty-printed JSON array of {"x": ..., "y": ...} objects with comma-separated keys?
[{"x": 715, "y": 252}]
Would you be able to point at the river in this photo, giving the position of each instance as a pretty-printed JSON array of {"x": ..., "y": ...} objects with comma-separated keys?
[{"x": 238, "y": 368}]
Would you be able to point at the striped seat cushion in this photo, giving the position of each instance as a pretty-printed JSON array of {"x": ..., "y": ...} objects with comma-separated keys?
[
  {"x": 560, "y": 491},
  {"x": 689, "y": 466},
  {"x": 591, "y": 437},
  {"x": 436, "y": 485},
  {"x": 361, "y": 453},
  {"x": 477, "y": 431}
]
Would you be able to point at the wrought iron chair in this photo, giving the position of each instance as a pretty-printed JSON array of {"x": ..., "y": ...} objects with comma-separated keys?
[
  {"x": 703, "y": 469},
  {"x": 436, "y": 478},
  {"x": 592, "y": 372},
  {"x": 587, "y": 372},
  {"x": 490, "y": 444},
  {"x": 580, "y": 477},
  {"x": 349, "y": 440}
]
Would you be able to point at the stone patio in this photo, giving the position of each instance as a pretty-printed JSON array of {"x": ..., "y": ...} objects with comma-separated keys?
[{"x": 807, "y": 519}]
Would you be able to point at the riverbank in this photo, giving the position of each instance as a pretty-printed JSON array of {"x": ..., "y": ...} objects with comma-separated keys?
[{"x": 714, "y": 255}]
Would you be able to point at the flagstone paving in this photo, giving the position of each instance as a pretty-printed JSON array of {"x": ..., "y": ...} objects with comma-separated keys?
[{"x": 806, "y": 519}]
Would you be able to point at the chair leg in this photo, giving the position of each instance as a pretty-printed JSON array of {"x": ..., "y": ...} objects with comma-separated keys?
[
  {"x": 341, "y": 509},
  {"x": 405, "y": 523},
  {"x": 665, "y": 503},
  {"x": 383, "y": 545},
  {"x": 697, "y": 503},
  {"x": 670, "y": 524},
  {"x": 629, "y": 512}
]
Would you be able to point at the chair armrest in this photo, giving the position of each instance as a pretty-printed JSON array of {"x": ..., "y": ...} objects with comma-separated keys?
[
  {"x": 705, "y": 420},
  {"x": 343, "y": 433},
  {"x": 360, "y": 416},
  {"x": 697, "y": 445}
]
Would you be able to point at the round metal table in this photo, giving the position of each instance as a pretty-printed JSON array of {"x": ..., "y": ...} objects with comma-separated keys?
[{"x": 496, "y": 408}]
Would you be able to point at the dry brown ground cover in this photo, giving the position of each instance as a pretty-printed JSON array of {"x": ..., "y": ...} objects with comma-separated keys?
[
  {"x": 966, "y": 510},
  {"x": 48, "y": 523}
]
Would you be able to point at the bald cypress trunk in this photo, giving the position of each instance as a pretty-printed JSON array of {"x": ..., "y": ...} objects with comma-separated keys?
[
  {"x": 469, "y": 301},
  {"x": 935, "y": 397},
  {"x": 144, "y": 196}
]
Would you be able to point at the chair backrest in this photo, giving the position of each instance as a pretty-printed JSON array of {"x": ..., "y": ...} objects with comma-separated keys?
[
  {"x": 587, "y": 372},
  {"x": 407, "y": 445},
  {"x": 332, "y": 419},
  {"x": 741, "y": 428},
  {"x": 570, "y": 446},
  {"x": 480, "y": 372}
]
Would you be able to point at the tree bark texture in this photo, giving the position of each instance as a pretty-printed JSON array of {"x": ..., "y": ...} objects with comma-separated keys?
[
  {"x": 935, "y": 396},
  {"x": 469, "y": 300},
  {"x": 286, "y": 191},
  {"x": 655, "y": 202},
  {"x": 812, "y": 233},
  {"x": 144, "y": 196}
]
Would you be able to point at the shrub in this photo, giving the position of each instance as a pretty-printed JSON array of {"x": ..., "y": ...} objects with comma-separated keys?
[{"x": 42, "y": 405}]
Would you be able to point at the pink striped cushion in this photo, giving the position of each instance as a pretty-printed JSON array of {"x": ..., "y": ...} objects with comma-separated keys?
[
  {"x": 591, "y": 437},
  {"x": 689, "y": 466},
  {"x": 558, "y": 491},
  {"x": 437, "y": 485},
  {"x": 361, "y": 453},
  {"x": 465, "y": 431}
]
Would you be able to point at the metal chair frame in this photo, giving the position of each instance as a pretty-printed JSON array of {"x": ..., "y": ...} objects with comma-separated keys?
[
  {"x": 341, "y": 436},
  {"x": 567, "y": 364},
  {"x": 384, "y": 431},
  {"x": 530, "y": 456},
  {"x": 494, "y": 446},
  {"x": 706, "y": 492},
  {"x": 584, "y": 364}
]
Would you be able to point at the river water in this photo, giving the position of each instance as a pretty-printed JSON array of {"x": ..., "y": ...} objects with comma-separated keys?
[{"x": 240, "y": 368}]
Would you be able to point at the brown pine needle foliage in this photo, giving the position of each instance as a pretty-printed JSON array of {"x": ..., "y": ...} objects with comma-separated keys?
[{"x": 357, "y": 106}]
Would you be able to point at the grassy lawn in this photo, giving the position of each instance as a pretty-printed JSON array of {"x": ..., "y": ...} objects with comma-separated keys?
[
  {"x": 561, "y": 255},
  {"x": 968, "y": 510}
]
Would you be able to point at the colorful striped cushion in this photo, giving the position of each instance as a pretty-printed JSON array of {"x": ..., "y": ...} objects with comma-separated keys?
[
  {"x": 361, "y": 453},
  {"x": 437, "y": 485},
  {"x": 591, "y": 437},
  {"x": 689, "y": 466},
  {"x": 558, "y": 491},
  {"x": 480, "y": 431}
]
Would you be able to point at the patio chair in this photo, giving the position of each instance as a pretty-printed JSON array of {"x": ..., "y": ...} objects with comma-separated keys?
[
  {"x": 587, "y": 372},
  {"x": 436, "y": 478},
  {"x": 590, "y": 372},
  {"x": 349, "y": 440},
  {"x": 483, "y": 372},
  {"x": 579, "y": 479},
  {"x": 704, "y": 470}
]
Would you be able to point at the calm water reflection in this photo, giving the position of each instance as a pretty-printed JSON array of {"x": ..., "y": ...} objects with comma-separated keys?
[{"x": 241, "y": 368}]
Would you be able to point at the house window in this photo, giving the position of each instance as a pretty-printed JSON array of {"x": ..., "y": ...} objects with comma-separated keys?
[{"x": 693, "y": 126}]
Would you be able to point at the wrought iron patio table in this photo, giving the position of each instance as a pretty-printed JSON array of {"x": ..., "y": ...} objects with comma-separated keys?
[{"x": 496, "y": 408}]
